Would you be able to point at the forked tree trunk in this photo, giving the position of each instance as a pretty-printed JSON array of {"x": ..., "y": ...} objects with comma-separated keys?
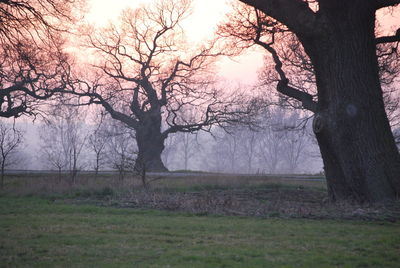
[
  {"x": 360, "y": 157},
  {"x": 150, "y": 143}
]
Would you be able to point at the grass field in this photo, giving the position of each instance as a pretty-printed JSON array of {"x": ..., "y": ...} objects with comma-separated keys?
[
  {"x": 41, "y": 233},
  {"x": 196, "y": 221}
]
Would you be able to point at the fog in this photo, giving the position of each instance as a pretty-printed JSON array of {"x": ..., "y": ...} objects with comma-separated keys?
[{"x": 281, "y": 143}]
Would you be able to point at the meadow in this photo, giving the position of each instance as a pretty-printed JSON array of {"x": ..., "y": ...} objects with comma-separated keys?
[{"x": 218, "y": 221}]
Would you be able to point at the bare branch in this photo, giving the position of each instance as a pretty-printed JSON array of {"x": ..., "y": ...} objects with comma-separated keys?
[
  {"x": 32, "y": 64},
  {"x": 290, "y": 13},
  {"x": 389, "y": 39}
]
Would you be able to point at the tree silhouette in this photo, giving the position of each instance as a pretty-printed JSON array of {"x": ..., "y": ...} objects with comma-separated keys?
[{"x": 151, "y": 77}]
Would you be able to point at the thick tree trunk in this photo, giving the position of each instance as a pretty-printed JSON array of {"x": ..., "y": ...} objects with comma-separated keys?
[
  {"x": 150, "y": 143},
  {"x": 360, "y": 157}
]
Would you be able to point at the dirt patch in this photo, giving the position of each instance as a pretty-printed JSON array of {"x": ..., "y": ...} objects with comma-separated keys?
[{"x": 287, "y": 203}]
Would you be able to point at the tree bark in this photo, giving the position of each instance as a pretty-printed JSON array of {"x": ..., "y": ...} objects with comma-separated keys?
[
  {"x": 360, "y": 157},
  {"x": 150, "y": 143}
]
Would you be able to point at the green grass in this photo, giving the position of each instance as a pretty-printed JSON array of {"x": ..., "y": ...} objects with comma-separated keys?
[
  {"x": 39, "y": 233},
  {"x": 216, "y": 182}
]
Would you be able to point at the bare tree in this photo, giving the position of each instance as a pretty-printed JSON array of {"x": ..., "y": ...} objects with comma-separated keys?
[
  {"x": 270, "y": 140},
  {"x": 242, "y": 148},
  {"x": 294, "y": 142},
  {"x": 188, "y": 147},
  {"x": 121, "y": 150},
  {"x": 97, "y": 144},
  {"x": 10, "y": 140},
  {"x": 150, "y": 77},
  {"x": 250, "y": 148},
  {"x": 187, "y": 143},
  {"x": 63, "y": 139},
  {"x": 225, "y": 151},
  {"x": 360, "y": 157},
  {"x": 52, "y": 150},
  {"x": 32, "y": 64},
  {"x": 232, "y": 150}
]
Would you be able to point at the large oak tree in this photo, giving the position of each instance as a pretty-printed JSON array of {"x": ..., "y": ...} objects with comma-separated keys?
[
  {"x": 150, "y": 76},
  {"x": 360, "y": 157}
]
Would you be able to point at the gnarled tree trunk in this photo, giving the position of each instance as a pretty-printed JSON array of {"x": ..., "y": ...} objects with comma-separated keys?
[
  {"x": 360, "y": 157},
  {"x": 150, "y": 143}
]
